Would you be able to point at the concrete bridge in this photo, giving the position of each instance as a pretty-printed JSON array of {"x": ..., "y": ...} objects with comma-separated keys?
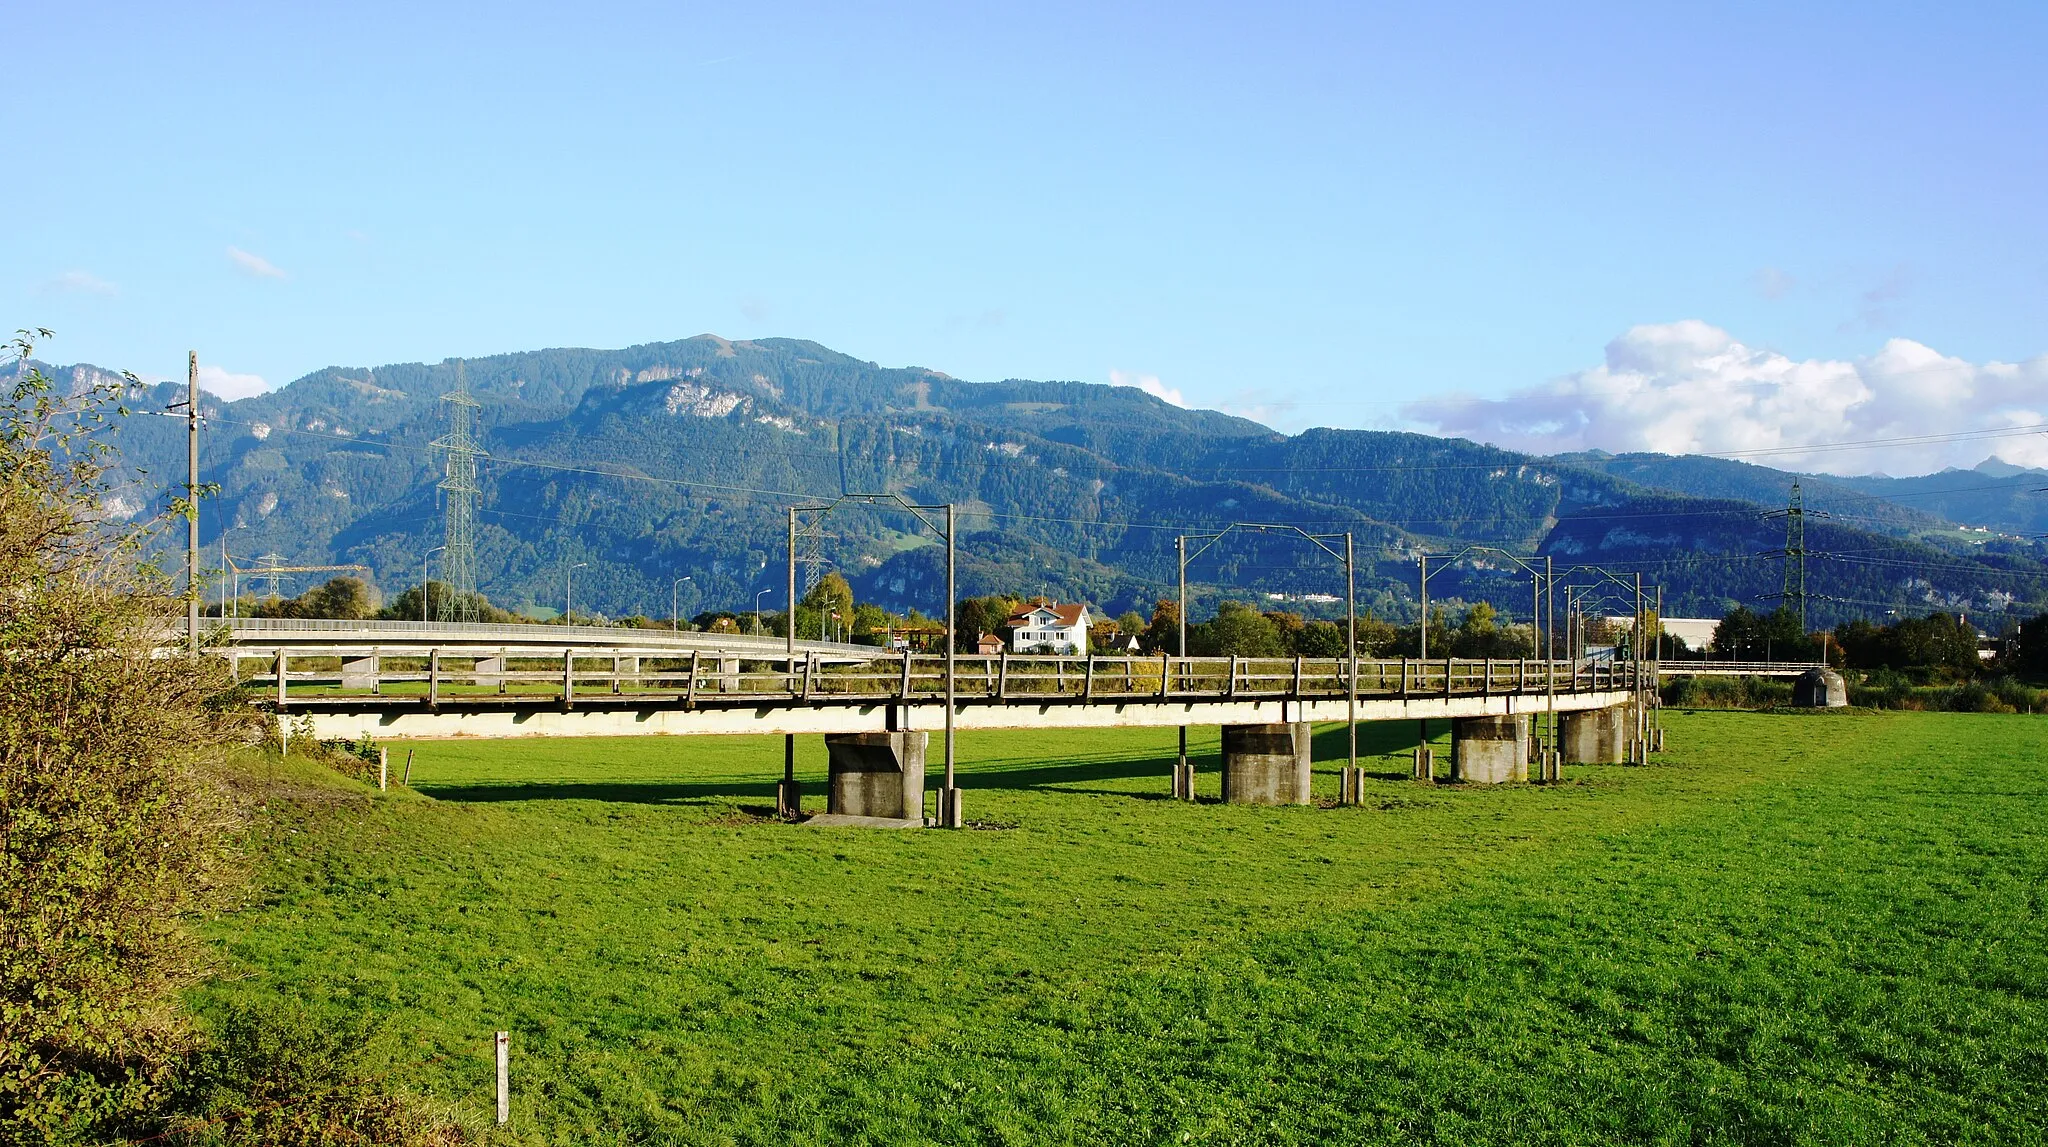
[{"x": 876, "y": 712}]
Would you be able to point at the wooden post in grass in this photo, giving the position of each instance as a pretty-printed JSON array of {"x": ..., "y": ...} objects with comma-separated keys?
[
  {"x": 407, "y": 778},
  {"x": 383, "y": 769},
  {"x": 504, "y": 1078}
]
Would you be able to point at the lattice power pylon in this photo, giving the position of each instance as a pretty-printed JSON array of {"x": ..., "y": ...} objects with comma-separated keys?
[
  {"x": 458, "y": 559},
  {"x": 1794, "y": 553}
]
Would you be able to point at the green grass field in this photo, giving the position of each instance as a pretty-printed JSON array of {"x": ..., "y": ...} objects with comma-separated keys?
[{"x": 1787, "y": 929}]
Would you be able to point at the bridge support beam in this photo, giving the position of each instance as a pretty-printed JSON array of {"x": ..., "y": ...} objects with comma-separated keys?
[
  {"x": 1594, "y": 736},
  {"x": 1266, "y": 764},
  {"x": 1489, "y": 750},
  {"x": 877, "y": 774}
]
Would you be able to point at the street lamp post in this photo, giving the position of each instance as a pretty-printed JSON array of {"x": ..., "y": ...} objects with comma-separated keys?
[
  {"x": 757, "y": 607},
  {"x": 569, "y": 590},
  {"x": 675, "y": 617},
  {"x": 423, "y": 580}
]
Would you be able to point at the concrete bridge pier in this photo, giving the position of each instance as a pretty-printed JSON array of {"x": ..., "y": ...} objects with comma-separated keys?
[
  {"x": 1594, "y": 736},
  {"x": 1266, "y": 764},
  {"x": 1489, "y": 750},
  {"x": 728, "y": 675},
  {"x": 877, "y": 774}
]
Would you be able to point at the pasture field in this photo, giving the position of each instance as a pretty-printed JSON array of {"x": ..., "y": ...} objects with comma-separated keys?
[{"x": 1790, "y": 928}]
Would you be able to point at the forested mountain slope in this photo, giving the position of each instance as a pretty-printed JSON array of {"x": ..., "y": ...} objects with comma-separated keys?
[{"x": 679, "y": 459}]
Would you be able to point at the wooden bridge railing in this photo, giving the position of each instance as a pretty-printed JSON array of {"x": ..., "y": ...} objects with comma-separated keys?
[{"x": 431, "y": 675}]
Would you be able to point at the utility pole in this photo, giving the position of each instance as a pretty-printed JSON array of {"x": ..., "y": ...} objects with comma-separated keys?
[
  {"x": 789, "y": 798},
  {"x": 1424, "y": 628},
  {"x": 950, "y": 813},
  {"x": 192, "y": 508},
  {"x": 1351, "y": 651},
  {"x": 424, "y": 558},
  {"x": 1183, "y": 777}
]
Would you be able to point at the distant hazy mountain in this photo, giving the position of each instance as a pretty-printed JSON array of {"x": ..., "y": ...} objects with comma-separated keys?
[
  {"x": 1995, "y": 495},
  {"x": 679, "y": 459}
]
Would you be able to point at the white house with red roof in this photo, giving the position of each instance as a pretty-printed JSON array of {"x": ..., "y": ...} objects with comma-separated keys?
[{"x": 1064, "y": 628}]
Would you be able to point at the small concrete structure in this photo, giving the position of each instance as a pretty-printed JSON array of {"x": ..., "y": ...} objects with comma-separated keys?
[
  {"x": 360, "y": 672},
  {"x": 1820, "y": 689},
  {"x": 877, "y": 775},
  {"x": 1266, "y": 764},
  {"x": 1594, "y": 736},
  {"x": 490, "y": 672},
  {"x": 1489, "y": 750}
]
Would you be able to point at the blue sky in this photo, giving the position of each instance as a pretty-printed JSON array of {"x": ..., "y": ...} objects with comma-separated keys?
[{"x": 1317, "y": 214}]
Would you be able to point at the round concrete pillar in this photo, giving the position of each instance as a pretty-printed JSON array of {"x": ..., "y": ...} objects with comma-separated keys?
[{"x": 1266, "y": 764}]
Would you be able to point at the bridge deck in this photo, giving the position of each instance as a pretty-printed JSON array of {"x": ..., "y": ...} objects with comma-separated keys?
[{"x": 348, "y": 692}]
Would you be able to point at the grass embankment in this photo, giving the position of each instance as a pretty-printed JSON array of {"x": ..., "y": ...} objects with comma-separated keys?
[{"x": 1787, "y": 929}]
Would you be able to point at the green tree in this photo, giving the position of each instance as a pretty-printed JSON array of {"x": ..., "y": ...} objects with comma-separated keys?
[
  {"x": 1238, "y": 629},
  {"x": 831, "y": 595},
  {"x": 341, "y": 598},
  {"x": 109, "y": 833},
  {"x": 974, "y": 616},
  {"x": 1320, "y": 639},
  {"x": 1376, "y": 638},
  {"x": 1162, "y": 633},
  {"x": 1131, "y": 624}
]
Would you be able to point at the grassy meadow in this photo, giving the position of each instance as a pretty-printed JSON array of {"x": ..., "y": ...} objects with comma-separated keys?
[{"x": 1818, "y": 928}]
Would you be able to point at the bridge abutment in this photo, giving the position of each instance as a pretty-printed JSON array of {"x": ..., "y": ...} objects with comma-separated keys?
[
  {"x": 877, "y": 774},
  {"x": 1594, "y": 736},
  {"x": 1489, "y": 750},
  {"x": 1266, "y": 764}
]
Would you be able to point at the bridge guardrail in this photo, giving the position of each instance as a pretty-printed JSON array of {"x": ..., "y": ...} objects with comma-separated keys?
[
  {"x": 263, "y": 630},
  {"x": 430, "y": 676}
]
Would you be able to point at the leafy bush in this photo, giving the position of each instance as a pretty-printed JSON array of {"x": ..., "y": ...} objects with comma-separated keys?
[
  {"x": 1705, "y": 692},
  {"x": 108, "y": 833}
]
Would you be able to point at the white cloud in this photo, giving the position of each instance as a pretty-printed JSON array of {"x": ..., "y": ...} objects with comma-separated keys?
[
  {"x": 80, "y": 283},
  {"x": 256, "y": 265},
  {"x": 217, "y": 381},
  {"x": 1149, "y": 383},
  {"x": 1687, "y": 387}
]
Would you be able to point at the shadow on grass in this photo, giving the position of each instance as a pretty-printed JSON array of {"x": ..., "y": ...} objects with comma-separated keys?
[{"x": 664, "y": 792}]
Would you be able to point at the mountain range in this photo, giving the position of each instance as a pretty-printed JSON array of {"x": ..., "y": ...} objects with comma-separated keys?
[{"x": 680, "y": 460}]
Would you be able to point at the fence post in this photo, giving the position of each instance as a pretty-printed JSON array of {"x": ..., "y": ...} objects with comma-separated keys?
[
  {"x": 383, "y": 769},
  {"x": 504, "y": 1078},
  {"x": 282, "y": 663},
  {"x": 568, "y": 677},
  {"x": 690, "y": 690}
]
